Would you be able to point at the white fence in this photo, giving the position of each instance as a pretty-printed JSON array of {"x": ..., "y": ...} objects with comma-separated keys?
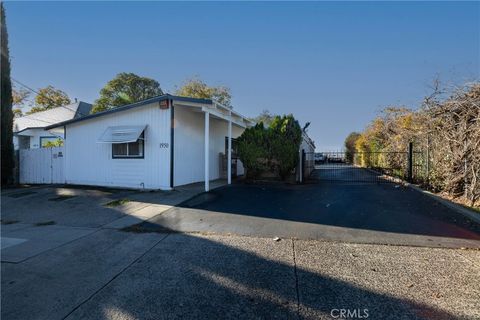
[{"x": 44, "y": 165}]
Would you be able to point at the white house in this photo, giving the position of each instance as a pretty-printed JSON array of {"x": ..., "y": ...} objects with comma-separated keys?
[
  {"x": 29, "y": 130},
  {"x": 159, "y": 143}
]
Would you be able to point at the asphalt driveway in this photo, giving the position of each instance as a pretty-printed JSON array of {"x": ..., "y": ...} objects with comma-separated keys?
[{"x": 383, "y": 213}]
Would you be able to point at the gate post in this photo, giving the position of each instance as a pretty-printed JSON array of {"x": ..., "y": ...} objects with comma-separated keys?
[
  {"x": 300, "y": 165},
  {"x": 303, "y": 165},
  {"x": 410, "y": 162}
]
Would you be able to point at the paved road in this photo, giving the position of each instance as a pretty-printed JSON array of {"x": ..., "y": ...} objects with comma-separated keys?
[
  {"x": 121, "y": 275},
  {"x": 354, "y": 212},
  {"x": 84, "y": 267}
]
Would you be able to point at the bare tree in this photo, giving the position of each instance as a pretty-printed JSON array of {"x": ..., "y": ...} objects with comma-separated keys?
[
  {"x": 447, "y": 125},
  {"x": 454, "y": 135}
]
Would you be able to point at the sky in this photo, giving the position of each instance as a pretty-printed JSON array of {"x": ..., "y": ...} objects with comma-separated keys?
[{"x": 335, "y": 65}]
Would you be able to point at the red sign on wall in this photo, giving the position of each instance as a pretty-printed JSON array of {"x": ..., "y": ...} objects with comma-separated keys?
[{"x": 164, "y": 104}]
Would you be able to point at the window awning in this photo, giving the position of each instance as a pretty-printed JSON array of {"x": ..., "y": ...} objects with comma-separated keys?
[{"x": 121, "y": 134}]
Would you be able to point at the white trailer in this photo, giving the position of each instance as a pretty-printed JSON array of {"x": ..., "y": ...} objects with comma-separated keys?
[{"x": 159, "y": 143}]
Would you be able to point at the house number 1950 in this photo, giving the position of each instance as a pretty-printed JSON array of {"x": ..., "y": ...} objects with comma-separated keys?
[{"x": 164, "y": 145}]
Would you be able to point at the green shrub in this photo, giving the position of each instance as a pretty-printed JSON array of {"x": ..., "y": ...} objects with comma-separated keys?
[
  {"x": 251, "y": 146},
  {"x": 285, "y": 137},
  {"x": 274, "y": 149}
]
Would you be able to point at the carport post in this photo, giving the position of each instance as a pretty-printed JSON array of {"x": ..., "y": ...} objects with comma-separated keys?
[
  {"x": 207, "y": 151},
  {"x": 229, "y": 152}
]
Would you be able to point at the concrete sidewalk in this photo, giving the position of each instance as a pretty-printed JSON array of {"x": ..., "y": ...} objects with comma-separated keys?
[
  {"x": 112, "y": 274},
  {"x": 35, "y": 220}
]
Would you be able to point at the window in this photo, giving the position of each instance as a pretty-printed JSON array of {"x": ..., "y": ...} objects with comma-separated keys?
[
  {"x": 129, "y": 150},
  {"x": 49, "y": 142}
]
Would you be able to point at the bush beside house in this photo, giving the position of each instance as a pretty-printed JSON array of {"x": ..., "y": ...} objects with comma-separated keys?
[{"x": 271, "y": 151}]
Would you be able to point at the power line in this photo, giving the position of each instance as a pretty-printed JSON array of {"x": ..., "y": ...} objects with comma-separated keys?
[
  {"x": 43, "y": 119},
  {"x": 36, "y": 92},
  {"x": 28, "y": 116}
]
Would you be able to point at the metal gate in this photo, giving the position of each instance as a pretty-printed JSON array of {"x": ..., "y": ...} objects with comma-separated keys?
[
  {"x": 44, "y": 165},
  {"x": 367, "y": 167}
]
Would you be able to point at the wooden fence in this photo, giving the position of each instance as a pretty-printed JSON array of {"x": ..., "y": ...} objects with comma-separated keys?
[{"x": 44, "y": 165}]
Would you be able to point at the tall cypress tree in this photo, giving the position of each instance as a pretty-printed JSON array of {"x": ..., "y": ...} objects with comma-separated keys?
[{"x": 6, "y": 105}]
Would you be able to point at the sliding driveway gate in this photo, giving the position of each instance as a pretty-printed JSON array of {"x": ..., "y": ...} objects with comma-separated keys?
[{"x": 367, "y": 167}]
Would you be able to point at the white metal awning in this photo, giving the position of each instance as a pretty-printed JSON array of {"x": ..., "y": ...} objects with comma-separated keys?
[{"x": 121, "y": 134}]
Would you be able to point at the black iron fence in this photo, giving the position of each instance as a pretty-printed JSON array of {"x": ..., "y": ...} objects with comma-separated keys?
[{"x": 376, "y": 167}]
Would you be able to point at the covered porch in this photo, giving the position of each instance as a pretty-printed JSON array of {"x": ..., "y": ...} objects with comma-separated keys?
[{"x": 219, "y": 126}]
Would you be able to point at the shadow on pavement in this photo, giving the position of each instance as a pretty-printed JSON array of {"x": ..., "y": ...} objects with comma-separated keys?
[
  {"x": 111, "y": 274},
  {"x": 193, "y": 277},
  {"x": 367, "y": 206}
]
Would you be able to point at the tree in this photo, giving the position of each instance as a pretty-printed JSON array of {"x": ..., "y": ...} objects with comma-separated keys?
[
  {"x": 126, "y": 88},
  {"x": 273, "y": 149},
  {"x": 285, "y": 140},
  {"x": 20, "y": 96},
  {"x": 196, "y": 88},
  {"x": 17, "y": 112},
  {"x": 453, "y": 131},
  {"x": 48, "y": 98},
  {"x": 52, "y": 144},
  {"x": 253, "y": 150},
  {"x": 265, "y": 116},
  {"x": 6, "y": 105},
  {"x": 445, "y": 132},
  {"x": 350, "y": 142}
]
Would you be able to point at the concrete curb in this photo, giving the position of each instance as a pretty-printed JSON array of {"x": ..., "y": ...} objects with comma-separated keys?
[{"x": 458, "y": 208}]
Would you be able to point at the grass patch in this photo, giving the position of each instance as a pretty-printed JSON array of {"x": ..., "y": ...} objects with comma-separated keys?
[
  {"x": 116, "y": 203},
  {"x": 45, "y": 223},
  {"x": 4, "y": 222},
  {"x": 147, "y": 227}
]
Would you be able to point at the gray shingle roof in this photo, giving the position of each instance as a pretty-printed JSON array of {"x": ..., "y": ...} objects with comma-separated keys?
[{"x": 52, "y": 116}]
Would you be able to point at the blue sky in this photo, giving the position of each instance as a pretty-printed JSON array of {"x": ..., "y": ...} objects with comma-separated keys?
[{"x": 333, "y": 64}]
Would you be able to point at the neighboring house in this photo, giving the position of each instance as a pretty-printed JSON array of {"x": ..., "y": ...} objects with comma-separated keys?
[
  {"x": 29, "y": 130},
  {"x": 159, "y": 143}
]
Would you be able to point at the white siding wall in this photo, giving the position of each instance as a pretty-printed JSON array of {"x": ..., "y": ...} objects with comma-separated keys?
[
  {"x": 189, "y": 139},
  {"x": 237, "y": 132},
  {"x": 91, "y": 163},
  {"x": 35, "y": 135},
  {"x": 309, "y": 155}
]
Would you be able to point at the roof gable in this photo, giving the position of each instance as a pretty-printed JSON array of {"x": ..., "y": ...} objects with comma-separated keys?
[
  {"x": 52, "y": 116},
  {"x": 131, "y": 106}
]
